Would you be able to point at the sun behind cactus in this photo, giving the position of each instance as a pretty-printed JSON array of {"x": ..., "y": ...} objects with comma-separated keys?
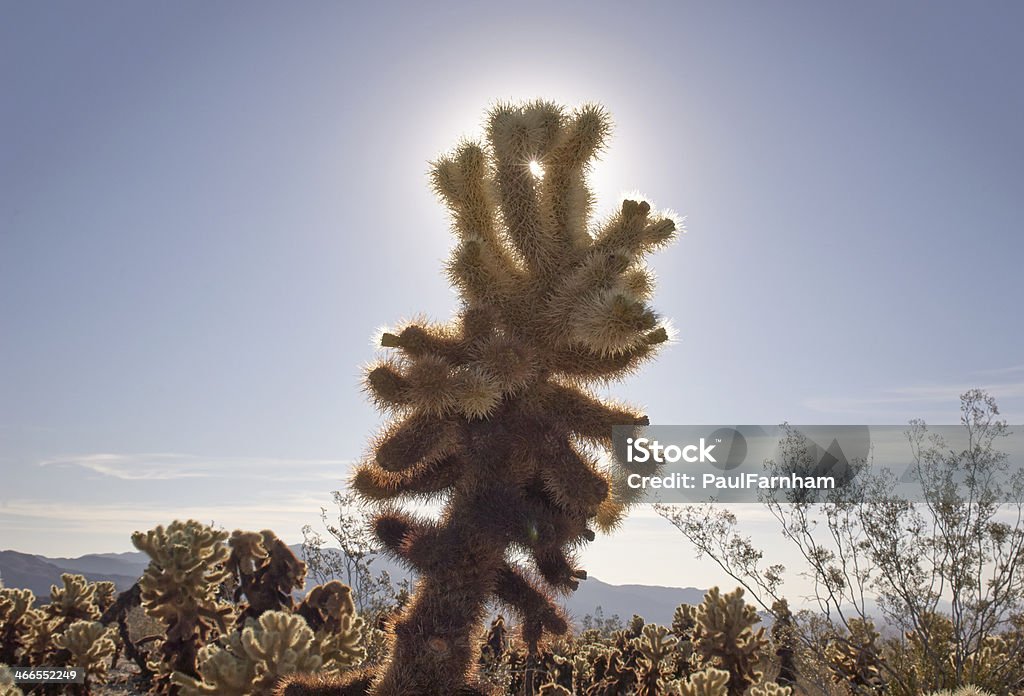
[{"x": 492, "y": 414}]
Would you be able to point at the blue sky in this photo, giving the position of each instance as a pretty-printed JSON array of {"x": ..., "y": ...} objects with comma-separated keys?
[{"x": 208, "y": 209}]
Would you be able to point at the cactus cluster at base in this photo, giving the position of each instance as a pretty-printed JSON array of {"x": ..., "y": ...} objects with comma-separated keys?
[
  {"x": 245, "y": 646},
  {"x": 712, "y": 649},
  {"x": 65, "y": 632}
]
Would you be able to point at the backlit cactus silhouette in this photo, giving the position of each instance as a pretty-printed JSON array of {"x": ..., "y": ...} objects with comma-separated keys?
[
  {"x": 266, "y": 570},
  {"x": 857, "y": 659},
  {"x": 784, "y": 640},
  {"x": 657, "y": 645},
  {"x": 492, "y": 412}
]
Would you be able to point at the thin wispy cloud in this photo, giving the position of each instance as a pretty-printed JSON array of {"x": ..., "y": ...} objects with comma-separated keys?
[
  {"x": 63, "y": 517},
  {"x": 944, "y": 397},
  {"x": 173, "y": 466},
  {"x": 1003, "y": 370}
]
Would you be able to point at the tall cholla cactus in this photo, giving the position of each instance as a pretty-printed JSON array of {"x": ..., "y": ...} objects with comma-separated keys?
[
  {"x": 724, "y": 637},
  {"x": 492, "y": 413},
  {"x": 180, "y": 589}
]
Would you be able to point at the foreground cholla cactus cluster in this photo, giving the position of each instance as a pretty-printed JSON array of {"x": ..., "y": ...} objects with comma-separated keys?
[
  {"x": 64, "y": 633},
  {"x": 491, "y": 412},
  {"x": 213, "y": 646},
  {"x": 712, "y": 649}
]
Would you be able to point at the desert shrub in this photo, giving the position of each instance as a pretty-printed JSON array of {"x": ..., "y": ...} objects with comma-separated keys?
[{"x": 864, "y": 542}]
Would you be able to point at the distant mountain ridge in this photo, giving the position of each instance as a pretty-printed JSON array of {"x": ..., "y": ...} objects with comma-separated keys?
[{"x": 38, "y": 573}]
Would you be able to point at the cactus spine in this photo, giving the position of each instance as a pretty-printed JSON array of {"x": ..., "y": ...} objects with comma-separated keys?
[{"x": 492, "y": 412}]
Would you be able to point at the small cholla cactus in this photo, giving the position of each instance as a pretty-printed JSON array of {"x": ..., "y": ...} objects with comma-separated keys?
[
  {"x": 724, "y": 637},
  {"x": 497, "y": 638},
  {"x": 636, "y": 626},
  {"x": 856, "y": 659},
  {"x": 924, "y": 663},
  {"x": 770, "y": 689},
  {"x": 707, "y": 682},
  {"x": 684, "y": 619},
  {"x": 90, "y": 646},
  {"x": 250, "y": 662},
  {"x": 554, "y": 690},
  {"x": 656, "y": 643},
  {"x": 784, "y": 640},
  {"x": 180, "y": 588},
  {"x": 493, "y": 412},
  {"x": 968, "y": 690},
  {"x": 549, "y": 668},
  {"x": 29, "y": 635},
  {"x": 75, "y": 601},
  {"x": 15, "y": 622},
  {"x": 105, "y": 595},
  {"x": 38, "y": 643},
  {"x": 337, "y": 629},
  {"x": 657, "y": 647},
  {"x": 995, "y": 663},
  {"x": 266, "y": 571},
  {"x": 60, "y": 633},
  {"x": 611, "y": 676}
]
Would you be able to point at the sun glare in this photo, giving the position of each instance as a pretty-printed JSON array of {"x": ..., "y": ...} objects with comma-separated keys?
[{"x": 536, "y": 169}]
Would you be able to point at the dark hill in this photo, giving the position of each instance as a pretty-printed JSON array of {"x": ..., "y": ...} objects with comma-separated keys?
[{"x": 38, "y": 573}]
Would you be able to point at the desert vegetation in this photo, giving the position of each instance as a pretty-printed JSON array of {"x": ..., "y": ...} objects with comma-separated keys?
[
  {"x": 910, "y": 596},
  {"x": 212, "y": 614},
  {"x": 218, "y": 617},
  {"x": 494, "y": 418}
]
